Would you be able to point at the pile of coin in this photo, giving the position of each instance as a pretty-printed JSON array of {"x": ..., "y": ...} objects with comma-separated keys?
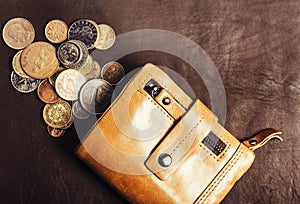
[{"x": 67, "y": 79}]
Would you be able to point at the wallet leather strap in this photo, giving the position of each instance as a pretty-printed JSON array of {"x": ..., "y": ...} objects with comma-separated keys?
[{"x": 261, "y": 138}]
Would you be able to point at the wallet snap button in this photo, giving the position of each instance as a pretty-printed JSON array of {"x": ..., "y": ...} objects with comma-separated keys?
[
  {"x": 166, "y": 101},
  {"x": 253, "y": 142},
  {"x": 165, "y": 160}
]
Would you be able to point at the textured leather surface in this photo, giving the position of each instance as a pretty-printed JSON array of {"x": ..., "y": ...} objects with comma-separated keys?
[
  {"x": 255, "y": 47},
  {"x": 195, "y": 172}
]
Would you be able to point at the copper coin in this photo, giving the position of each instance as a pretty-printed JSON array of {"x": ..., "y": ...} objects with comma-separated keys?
[
  {"x": 47, "y": 93},
  {"x": 56, "y": 31},
  {"x": 112, "y": 72},
  {"x": 39, "y": 60},
  {"x": 18, "y": 33},
  {"x": 56, "y": 132}
]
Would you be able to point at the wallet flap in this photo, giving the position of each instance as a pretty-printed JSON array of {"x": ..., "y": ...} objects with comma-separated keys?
[{"x": 193, "y": 128}]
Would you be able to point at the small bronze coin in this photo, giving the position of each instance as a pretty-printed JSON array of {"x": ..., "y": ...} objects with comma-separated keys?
[
  {"x": 56, "y": 31},
  {"x": 55, "y": 132},
  {"x": 47, "y": 93},
  {"x": 18, "y": 33},
  {"x": 112, "y": 72}
]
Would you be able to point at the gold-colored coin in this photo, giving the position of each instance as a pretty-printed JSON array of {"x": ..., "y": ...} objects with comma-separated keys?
[
  {"x": 55, "y": 132},
  {"x": 56, "y": 31},
  {"x": 16, "y": 64},
  {"x": 52, "y": 79},
  {"x": 69, "y": 123},
  {"x": 107, "y": 37},
  {"x": 88, "y": 67},
  {"x": 57, "y": 115},
  {"x": 18, "y": 33},
  {"x": 39, "y": 60},
  {"x": 47, "y": 93}
]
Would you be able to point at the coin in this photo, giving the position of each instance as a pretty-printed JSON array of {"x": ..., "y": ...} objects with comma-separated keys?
[
  {"x": 39, "y": 60},
  {"x": 72, "y": 54},
  {"x": 24, "y": 85},
  {"x": 95, "y": 96},
  {"x": 56, "y": 31},
  {"x": 88, "y": 67},
  {"x": 69, "y": 123},
  {"x": 16, "y": 64},
  {"x": 52, "y": 79},
  {"x": 84, "y": 31},
  {"x": 68, "y": 84},
  {"x": 18, "y": 33},
  {"x": 98, "y": 30},
  {"x": 107, "y": 37},
  {"x": 68, "y": 53},
  {"x": 95, "y": 72},
  {"x": 112, "y": 72},
  {"x": 79, "y": 112},
  {"x": 47, "y": 93},
  {"x": 56, "y": 132},
  {"x": 58, "y": 114}
]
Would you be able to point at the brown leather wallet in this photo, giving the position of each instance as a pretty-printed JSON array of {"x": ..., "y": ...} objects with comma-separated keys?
[{"x": 154, "y": 144}]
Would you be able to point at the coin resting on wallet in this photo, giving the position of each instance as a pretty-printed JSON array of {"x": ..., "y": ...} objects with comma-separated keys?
[{"x": 66, "y": 77}]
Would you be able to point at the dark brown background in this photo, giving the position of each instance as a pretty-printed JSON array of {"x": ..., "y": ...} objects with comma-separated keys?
[{"x": 255, "y": 46}]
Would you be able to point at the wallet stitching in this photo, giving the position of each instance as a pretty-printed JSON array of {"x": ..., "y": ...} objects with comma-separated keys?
[
  {"x": 191, "y": 130},
  {"x": 221, "y": 176},
  {"x": 218, "y": 158},
  {"x": 159, "y": 108}
]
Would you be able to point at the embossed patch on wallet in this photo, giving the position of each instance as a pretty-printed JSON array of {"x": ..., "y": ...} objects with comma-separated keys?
[{"x": 214, "y": 144}]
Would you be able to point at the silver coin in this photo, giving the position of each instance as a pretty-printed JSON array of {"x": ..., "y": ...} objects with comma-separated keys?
[
  {"x": 83, "y": 55},
  {"x": 79, "y": 112},
  {"x": 84, "y": 31},
  {"x": 68, "y": 53},
  {"x": 23, "y": 85},
  {"x": 95, "y": 96},
  {"x": 112, "y": 72},
  {"x": 95, "y": 72}
]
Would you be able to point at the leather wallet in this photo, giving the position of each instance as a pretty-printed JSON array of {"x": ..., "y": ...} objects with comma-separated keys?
[{"x": 155, "y": 144}]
